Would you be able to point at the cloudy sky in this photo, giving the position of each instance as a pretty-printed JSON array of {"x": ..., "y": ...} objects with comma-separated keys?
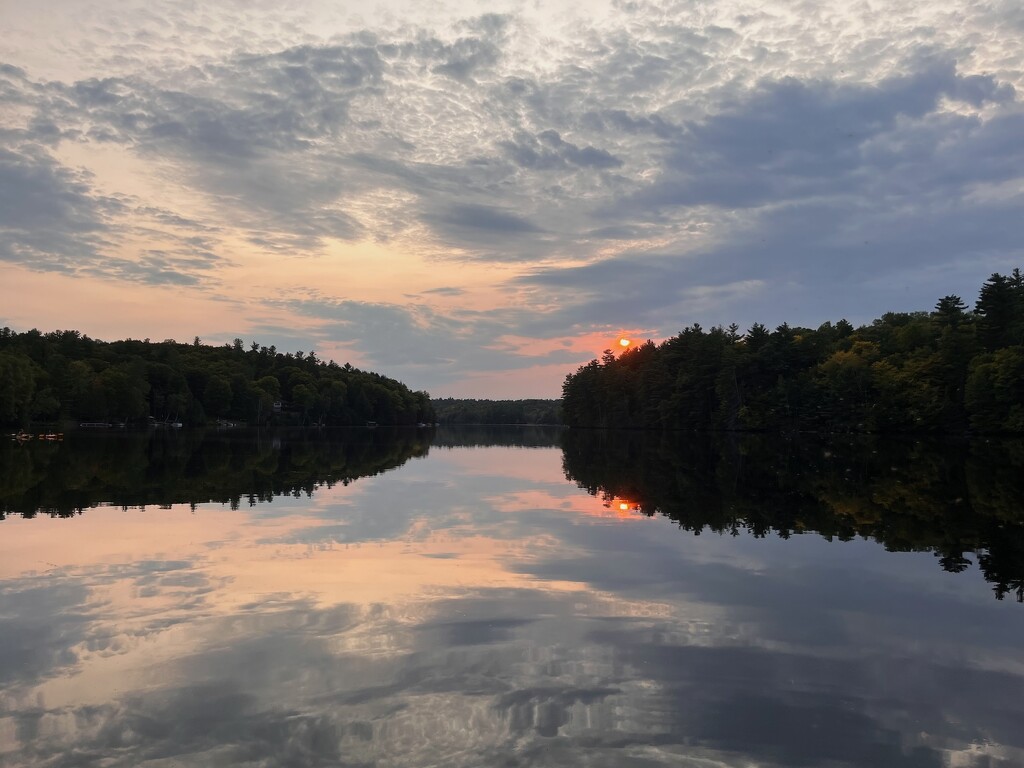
[{"x": 476, "y": 198}]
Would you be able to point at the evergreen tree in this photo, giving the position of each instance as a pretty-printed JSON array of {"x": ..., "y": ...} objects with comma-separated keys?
[{"x": 1000, "y": 308}]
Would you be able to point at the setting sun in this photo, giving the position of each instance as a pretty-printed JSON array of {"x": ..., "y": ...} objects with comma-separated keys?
[{"x": 624, "y": 342}]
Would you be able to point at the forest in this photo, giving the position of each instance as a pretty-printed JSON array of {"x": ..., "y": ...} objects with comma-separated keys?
[
  {"x": 470, "y": 411},
  {"x": 65, "y": 375},
  {"x": 952, "y": 370}
]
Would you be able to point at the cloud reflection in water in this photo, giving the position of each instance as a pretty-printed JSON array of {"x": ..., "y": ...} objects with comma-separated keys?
[{"x": 461, "y": 611}]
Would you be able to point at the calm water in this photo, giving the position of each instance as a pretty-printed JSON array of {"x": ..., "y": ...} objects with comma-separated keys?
[{"x": 529, "y": 598}]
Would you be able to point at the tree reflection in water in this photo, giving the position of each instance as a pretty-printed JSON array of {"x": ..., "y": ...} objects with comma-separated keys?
[
  {"x": 162, "y": 467},
  {"x": 960, "y": 499}
]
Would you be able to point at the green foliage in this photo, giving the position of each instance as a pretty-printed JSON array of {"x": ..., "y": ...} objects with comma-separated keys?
[
  {"x": 995, "y": 391},
  {"x": 64, "y": 375},
  {"x": 1000, "y": 310},
  {"x": 945, "y": 371},
  {"x": 216, "y": 396},
  {"x": 17, "y": 386}
]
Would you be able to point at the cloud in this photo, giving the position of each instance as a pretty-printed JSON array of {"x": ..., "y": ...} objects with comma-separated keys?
[
  {"x": 50, "y": 215},
  {"x": 235, "y": 110},
  {"x": 792, "y": 139},
  {"x": 812, "y": 184},
  {"x": 486, "y": 218},
  {"x": 465, "y": 57},
  {"x": 40, "y": 196},
  {"x": 416, "y": 343},
  {"x": 547, "y": 150},
  {"x": 445, "y": 290},
  {"x": 156, "y": 268},
  {"x": 52, "y": 218}
]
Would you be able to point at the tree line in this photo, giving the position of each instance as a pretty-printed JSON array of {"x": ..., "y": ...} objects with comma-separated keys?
[
  {"x": 948, "y": 370},
  {"x": 470, "y": 411},
  {"x": 65, "y": 375}
]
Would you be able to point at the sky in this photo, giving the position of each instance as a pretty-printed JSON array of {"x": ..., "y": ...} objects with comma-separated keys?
[{"x": 476, "y": 198}]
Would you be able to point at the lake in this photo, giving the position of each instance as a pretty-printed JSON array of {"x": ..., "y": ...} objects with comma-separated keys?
[{"x": 531, "y": 597}]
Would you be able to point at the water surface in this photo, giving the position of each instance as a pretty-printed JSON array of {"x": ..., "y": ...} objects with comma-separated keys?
[{"x": 527, "y": 599}]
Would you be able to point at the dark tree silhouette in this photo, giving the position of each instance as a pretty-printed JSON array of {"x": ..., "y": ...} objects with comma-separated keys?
[{"x": 945, "y": 371}]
